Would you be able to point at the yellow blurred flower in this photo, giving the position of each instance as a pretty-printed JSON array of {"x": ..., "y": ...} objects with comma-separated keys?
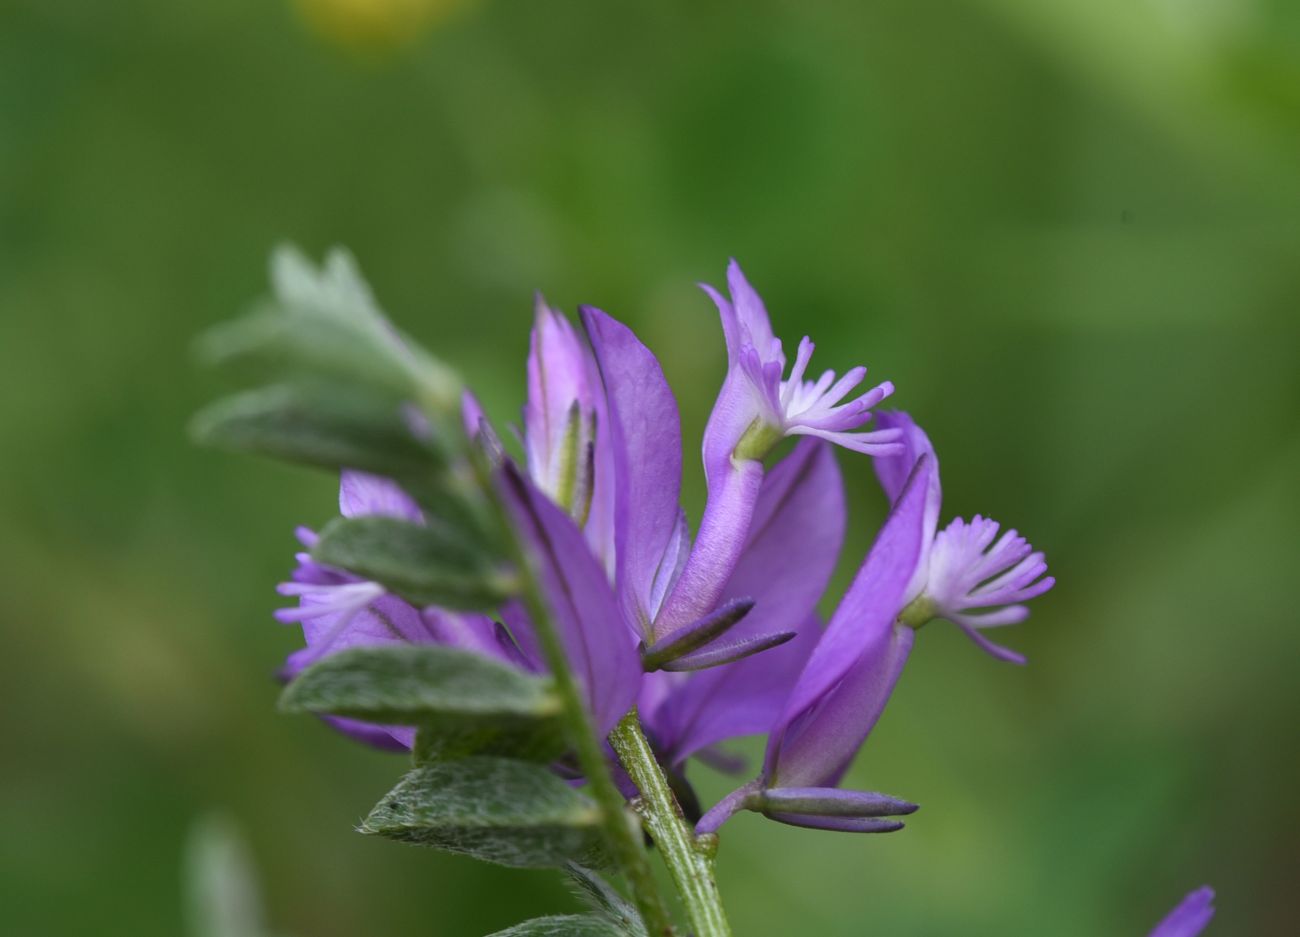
[{"x": 375, "y": 25}]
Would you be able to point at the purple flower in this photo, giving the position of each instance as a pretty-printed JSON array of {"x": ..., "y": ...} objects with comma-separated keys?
[
  {"x": 911, "y": 575},
  {"x": 755, "y": 409},
  {"x": 1190, "y": 917},
  {"x": 966, "y": 572}
]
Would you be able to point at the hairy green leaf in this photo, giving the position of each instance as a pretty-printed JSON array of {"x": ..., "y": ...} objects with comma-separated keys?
[
  {"x": 424, "y": 685},
  {"x": 564, "y": 925},
  {"x": 325, "y": 323},
  {"x": 605, "y": 900},
  {"x": 500, "y": 810},
  {"x": 428, "y": 564},
  {"x": 318, "y": 425}
]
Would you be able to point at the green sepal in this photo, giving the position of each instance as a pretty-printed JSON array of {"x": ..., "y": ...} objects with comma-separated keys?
[
  {"x": 431, "y": 564},
  {"x": 443, "y": 688},
  {"x": 319, "y": 425},
  {"x": 499, "y": 810},
  {"x": 564, "y": 925}
]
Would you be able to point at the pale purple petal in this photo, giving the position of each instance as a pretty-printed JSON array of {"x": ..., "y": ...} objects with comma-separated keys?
[
  {"x": 466, "y": 631},
  {"x": 793, "y": 544},
  {"x": 362, "y": 494},
  {"x": 647, "y": 447},
  {"x": 599, "y": 646},
  {"x": 1190, "y": 917},
  {"x": 893, "y": 472}
]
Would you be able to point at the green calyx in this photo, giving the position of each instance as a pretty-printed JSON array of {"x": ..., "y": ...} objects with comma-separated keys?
[
  {"x": 919, "y": 611},
  {"x": 759, "y": 440}
]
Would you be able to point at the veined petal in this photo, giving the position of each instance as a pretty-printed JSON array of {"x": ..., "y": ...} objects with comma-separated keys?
[
  {"x": 598, "y": 646},
  {"x": 645, "y": 435},
  {"x": 850, "y": 673}
]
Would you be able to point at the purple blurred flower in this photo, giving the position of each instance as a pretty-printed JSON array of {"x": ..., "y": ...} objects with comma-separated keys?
[{"x": 1190, "y": 917}]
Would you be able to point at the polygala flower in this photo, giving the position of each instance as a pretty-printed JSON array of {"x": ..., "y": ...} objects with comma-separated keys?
[
  {"x": 573, "y": 557},
  {"x": 717, "y": 636},
  {"x": 965, "y": 573}
]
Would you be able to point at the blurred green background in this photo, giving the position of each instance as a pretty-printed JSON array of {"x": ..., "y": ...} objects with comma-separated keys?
[{"x": 1069, "y": 232}]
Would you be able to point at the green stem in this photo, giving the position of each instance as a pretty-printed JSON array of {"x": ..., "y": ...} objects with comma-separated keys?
[
  {"x": 689, "y": 858},
  {"x": 624, "y": 836}
]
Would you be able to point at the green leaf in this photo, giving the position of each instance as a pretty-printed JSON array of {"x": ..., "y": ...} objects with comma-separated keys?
[
  {"x": 325, "y": 323},
  {"x": 497, "y": 809},
  {"x": 318, "y": 425},
  {"x": 605, "y": 900},
  {"x": 564, "y": 925},
  {"x": 428, "y": 564},
  {"x": 422, "y": 685}
]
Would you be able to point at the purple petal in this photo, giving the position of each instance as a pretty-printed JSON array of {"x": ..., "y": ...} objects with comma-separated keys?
[
  {"x": 751, "y": 314},
  {"x": 729, "y": 652},
  {"x": 833, "y": 802},
  {"x": 467, "y": 631},
  {"x": 851, "y": 672},
  {"x": 697, "y": 634},
  {"x": 821, "y": 743},
  {"x": 893, "y": 472},
  {"x": 362, "y": 494},
  {"x": 647, "y": 447},
  {"x": 797, "y": 531},
  {"x": 838, "y": 824},
  {"x": 598, "y": 644},
  {"x": 724, "y": 531},
  {"x": 1190, "y": 917}
]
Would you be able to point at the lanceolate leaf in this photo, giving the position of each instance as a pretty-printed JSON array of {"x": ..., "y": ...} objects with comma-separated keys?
[
  {"x": 324, "y": 323},
  {"x": 429, "y": 565},
  {"x": 319, "y": 425},
  {"x": 564, "y": 925},
  {"x": 497, "y": 809},
  {"x": 422, "y": 684}
]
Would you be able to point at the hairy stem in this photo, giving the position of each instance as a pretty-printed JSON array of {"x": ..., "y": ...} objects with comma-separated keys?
[{"x": 689, "y": 858}]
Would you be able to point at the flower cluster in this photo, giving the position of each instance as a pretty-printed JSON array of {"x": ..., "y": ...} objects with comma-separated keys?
[{"x": 713, "y": 635}]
